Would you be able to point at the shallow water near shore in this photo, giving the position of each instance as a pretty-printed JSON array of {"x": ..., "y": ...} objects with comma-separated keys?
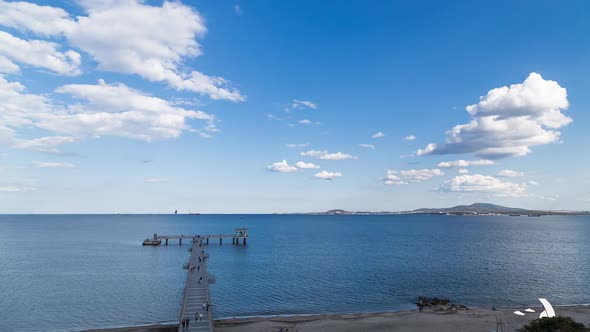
[{"x": 72, "y": 272}]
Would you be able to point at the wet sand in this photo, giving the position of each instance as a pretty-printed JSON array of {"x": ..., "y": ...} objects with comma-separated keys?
[{"x": 474, "y": 319}]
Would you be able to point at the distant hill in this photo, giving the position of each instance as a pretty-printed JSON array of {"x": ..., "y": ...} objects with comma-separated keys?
[
  {"x": 479, "y": 208},
  {"x": 473, "y": 209}
]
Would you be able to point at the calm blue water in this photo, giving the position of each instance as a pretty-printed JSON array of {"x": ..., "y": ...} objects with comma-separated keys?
[{"x": 74, "y": 272}]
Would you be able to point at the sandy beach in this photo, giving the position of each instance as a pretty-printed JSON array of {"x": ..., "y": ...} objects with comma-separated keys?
[{"x": 474, "y": 319}]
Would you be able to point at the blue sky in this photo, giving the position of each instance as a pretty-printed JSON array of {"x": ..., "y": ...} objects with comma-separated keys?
[{"x": 262, "y": 106}]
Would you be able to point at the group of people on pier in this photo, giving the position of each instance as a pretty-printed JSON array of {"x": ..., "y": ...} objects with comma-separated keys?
[{"x": 198, "y": 315}]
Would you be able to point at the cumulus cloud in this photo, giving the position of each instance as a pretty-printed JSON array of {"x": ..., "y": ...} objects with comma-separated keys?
[
  {"x": 117, "y": 110},
  {"x": 327, "y": 175},
  {"x": 367, "y": 146},
  {"x": 394, "y": 177},
  {"x": 157, "y": 40},
  {"x": 377, "y": 135},
  {"x": 486, "y": 184},
  {"x": 20, "y": 109},
  {"x": 114, "y": 110},
  {"x": 308, "y": 122},
  {"x": 36, "y": 53},
  {"x": 304, "y": 165},
  {"x": 303, "y": 104},
  {"x": 508, "y": 121},
  {"x": 463, "y": 171},
  {"x": 282, "y": 167},
  {"x": 409, "y": 138},
  {"x": 296, "y": 145},
  {"x": 465, "y": 163},
  {"x": 42, "y": 20},
  {"x": 325, "y": 155},
  {"x": 42, "y": 164},
  {"x": 510, "y": 174}
]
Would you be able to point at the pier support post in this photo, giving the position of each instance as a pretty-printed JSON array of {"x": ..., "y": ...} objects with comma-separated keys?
[
  {"x": 166, "y": 241},
  {"x": 220, "y": 240},
  {"x": 233, "y": 240},
  {"x": 207, "y": 241},
  {"x": 180, "y": 241},
  {"x": 244, "y": 241}
]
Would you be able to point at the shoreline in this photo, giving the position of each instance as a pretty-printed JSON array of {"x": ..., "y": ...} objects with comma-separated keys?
[{"x": 431, "y": 319}]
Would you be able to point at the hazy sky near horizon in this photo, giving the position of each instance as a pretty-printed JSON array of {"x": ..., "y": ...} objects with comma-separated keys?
[{"x": 278, "y": 106}]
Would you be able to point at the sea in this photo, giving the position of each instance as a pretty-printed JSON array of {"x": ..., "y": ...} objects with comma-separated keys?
[{"x": 74, "y": 272}]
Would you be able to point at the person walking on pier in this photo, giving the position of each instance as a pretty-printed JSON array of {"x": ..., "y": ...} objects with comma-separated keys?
[
  {"x": 187, "y": 321},
  {"x": 207, "y": 308},
  {"x": 200, "y": 317},
  {"x": 183, "y": 322},
  {"x": 204, "y": 304}
]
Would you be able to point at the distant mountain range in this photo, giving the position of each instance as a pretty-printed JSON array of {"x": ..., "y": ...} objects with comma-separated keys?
[{"x": 473, "y": 209}]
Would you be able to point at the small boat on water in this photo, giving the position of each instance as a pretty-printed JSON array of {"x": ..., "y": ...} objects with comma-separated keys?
[
  {"x": 534, "y": 215},
  {"x": 151, "y": 242}
]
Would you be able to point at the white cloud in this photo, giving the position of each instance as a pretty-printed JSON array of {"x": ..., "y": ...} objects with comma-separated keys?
[
  {"x": 36, "y": 53},
  {"x": 42, "y": 20},
  {"x": 463, "y": 171},
  {"x": 465, "y": 163},
  {"x": 510, "y": 174},
  {"x": 427, "y": 150},
  {"x": 42, "y": 164},
  {"x": 114, "y": 110},
  {"x": 478, "y": 183},
  {"x": 151, "y": 41},
  {"x": 296, "y": 145},
  {"x": 303, "y": 165},
  {"x": 48, "y": 144},
  {"x": 394, "y": 177},
  {"x": 7, "y": 66},
  {"x": 22, "y": 185},
  {"x": 377, "y": 135},
  {"x": 117, "y": 110},
  {"x": 238, "y": 9},
  {"x": 19, "y": 109},
  {"x": 409, "y": 138},
  {"x": 155, "y": 180},
  {"x": 308, "y": 122},
  {"x": 17, "y": 188},
  {"x": 327, "y": 175},
  {"x": 282, "y": 167},
  {"x": 508, "y": 121},
  {"x": 303, "y": 103},
  {"x": 368, "y": 146},
  {"x": 325, "y": 155}
]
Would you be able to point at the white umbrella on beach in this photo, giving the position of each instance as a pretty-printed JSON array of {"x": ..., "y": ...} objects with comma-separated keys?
[
  {"x": 529, "y": 310},
  {"x": 549, "y": 312},
  {"x": 520, "y": 313}
]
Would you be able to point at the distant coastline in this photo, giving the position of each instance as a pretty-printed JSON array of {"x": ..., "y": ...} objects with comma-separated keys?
[{"x": 476, "y": 209}]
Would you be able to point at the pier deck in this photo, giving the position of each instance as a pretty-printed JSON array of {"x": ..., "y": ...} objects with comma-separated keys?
[{"x": 196, "y": 292}]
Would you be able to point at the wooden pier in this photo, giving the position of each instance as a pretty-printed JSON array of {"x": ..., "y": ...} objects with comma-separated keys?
[
  {"x": 196, "y": 299},
  {"x": 240, "y": 234},
  {"x": 196, "y": 293}
]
